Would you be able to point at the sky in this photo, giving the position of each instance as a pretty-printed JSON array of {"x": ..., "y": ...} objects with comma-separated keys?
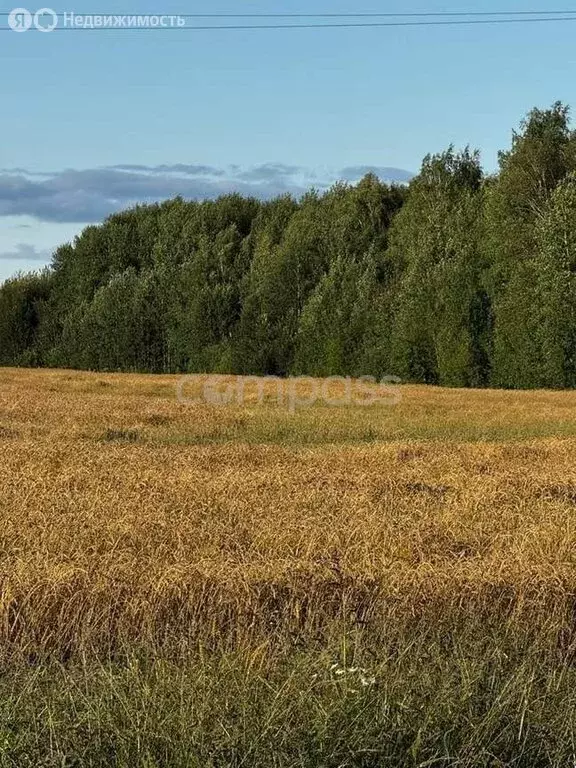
[{"x": 95, "y": 121}]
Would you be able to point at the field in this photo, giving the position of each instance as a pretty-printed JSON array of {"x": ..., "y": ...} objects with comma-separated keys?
[{"x": 191, "y": 584}]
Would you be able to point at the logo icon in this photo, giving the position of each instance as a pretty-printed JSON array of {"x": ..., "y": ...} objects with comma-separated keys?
[
  {"x": 20, "y": 20},
  {"x": 45, "y": 20}
]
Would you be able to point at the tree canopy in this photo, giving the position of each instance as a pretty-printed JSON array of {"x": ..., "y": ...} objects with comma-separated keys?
[{"x": 458, "y": 278}]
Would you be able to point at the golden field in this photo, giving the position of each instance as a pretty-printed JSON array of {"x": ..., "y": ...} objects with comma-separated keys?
[{"x": 128, "y": 516}]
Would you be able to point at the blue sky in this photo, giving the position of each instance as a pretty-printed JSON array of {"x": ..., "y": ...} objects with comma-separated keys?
[{"x": 94, "y": 121}]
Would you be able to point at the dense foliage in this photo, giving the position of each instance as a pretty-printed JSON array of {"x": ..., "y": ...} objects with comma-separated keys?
[{"x": 458, "y": 279}]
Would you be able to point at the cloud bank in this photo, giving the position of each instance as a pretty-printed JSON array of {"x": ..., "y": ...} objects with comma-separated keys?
[
  {"x": 89, "y": 196},
  {"x": 26, "y": 253}
]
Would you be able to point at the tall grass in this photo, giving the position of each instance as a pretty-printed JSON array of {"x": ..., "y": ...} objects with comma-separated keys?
[{"x": 241, "y": 586}]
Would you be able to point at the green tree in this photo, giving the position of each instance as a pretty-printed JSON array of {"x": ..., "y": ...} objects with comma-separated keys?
[
  {"x": 542, "y": 154},
  {"x": 22, "y": 305},
  {"x": 438, "y": 334},
  {"x": 554, "y": 273}
]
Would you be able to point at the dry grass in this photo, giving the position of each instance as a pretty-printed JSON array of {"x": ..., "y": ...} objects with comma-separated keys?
[
  {"x": 213, "y": 587},
  {"x": 129, "y": 517}
]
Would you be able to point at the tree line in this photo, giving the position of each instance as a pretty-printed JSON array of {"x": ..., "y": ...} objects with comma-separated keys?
[{"x": 458, "y": 279}]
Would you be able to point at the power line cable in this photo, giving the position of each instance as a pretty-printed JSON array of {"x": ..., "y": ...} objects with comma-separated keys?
[
  {"x": 351, "y": 15},
  {"x": 326, "y": 25}
]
